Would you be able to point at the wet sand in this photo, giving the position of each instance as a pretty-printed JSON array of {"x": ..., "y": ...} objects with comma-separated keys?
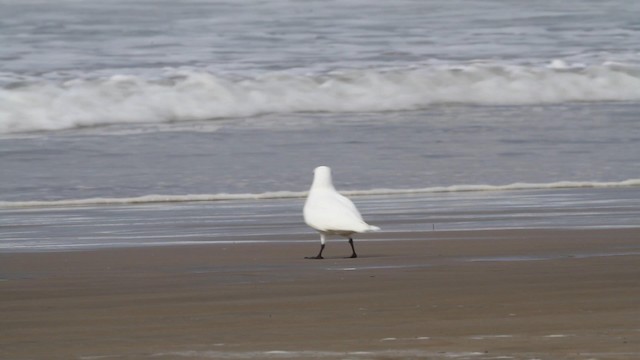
[{"x": 519, "y": 294}]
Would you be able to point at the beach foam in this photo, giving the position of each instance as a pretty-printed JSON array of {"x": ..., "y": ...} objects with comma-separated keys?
[
  {"x": 278, "y": 354},
  {"x": 50, "y": 103},
  {"x": 148, "y": 199}
]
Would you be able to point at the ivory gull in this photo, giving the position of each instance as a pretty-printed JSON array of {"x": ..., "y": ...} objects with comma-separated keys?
[{"x": 330, "y": 213}]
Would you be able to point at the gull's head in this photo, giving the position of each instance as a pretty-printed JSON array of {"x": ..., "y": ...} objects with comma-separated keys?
[{"x": 322, "y": 177}]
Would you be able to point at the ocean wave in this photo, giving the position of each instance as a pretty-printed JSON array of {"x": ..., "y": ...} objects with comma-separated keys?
[
  {"x": 149, "y": 199},
  {"x": 41, "y": 104}
]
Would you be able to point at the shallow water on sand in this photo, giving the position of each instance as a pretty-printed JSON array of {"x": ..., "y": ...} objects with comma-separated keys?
[{"x": 278, "y": 220}]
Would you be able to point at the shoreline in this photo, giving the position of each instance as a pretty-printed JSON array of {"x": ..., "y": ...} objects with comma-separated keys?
[
  {"x": 310, "y": 239},
  {"x": 280, "y": 220},
  {"x": 481, "y": 294}
]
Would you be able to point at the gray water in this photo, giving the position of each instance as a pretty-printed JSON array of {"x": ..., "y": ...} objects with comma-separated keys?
[{"x": 114, "y": 102}]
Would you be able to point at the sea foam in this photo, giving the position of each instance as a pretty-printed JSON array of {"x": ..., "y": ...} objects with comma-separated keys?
[
  {"x": 149, "y": 199},
  {"x": 51, "y": 103}
]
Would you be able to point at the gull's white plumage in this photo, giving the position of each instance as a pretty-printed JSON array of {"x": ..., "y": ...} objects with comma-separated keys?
[{"x": 331, "y": 213}]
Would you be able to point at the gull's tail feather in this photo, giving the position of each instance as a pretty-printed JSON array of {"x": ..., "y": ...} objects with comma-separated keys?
[{"x": 373, "y": 228}]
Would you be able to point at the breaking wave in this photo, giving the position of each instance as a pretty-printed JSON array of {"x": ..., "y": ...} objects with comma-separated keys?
[
  {"x": 149, "y": 199},
  {"x": 45, "y": 103}
]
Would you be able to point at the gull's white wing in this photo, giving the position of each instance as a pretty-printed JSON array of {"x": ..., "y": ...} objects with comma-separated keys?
[{"x": 327, "y": 210}]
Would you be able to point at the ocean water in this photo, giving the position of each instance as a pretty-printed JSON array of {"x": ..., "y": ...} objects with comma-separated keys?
[{"x": 106, "y": 103}]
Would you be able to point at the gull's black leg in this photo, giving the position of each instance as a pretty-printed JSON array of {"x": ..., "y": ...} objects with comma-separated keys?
[
  {"x": 319, "y": 256},
  {"x": 354, "y": 255}
]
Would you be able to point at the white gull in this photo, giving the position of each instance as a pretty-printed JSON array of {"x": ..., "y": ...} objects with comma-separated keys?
[{"x": 330, "y": 213}]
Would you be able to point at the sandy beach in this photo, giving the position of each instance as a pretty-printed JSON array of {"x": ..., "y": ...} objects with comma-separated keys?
[{"x": 516, "y": 294}]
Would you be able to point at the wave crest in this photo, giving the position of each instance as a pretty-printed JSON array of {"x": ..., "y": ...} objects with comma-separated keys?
[{"x": 186, "y": 95}]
